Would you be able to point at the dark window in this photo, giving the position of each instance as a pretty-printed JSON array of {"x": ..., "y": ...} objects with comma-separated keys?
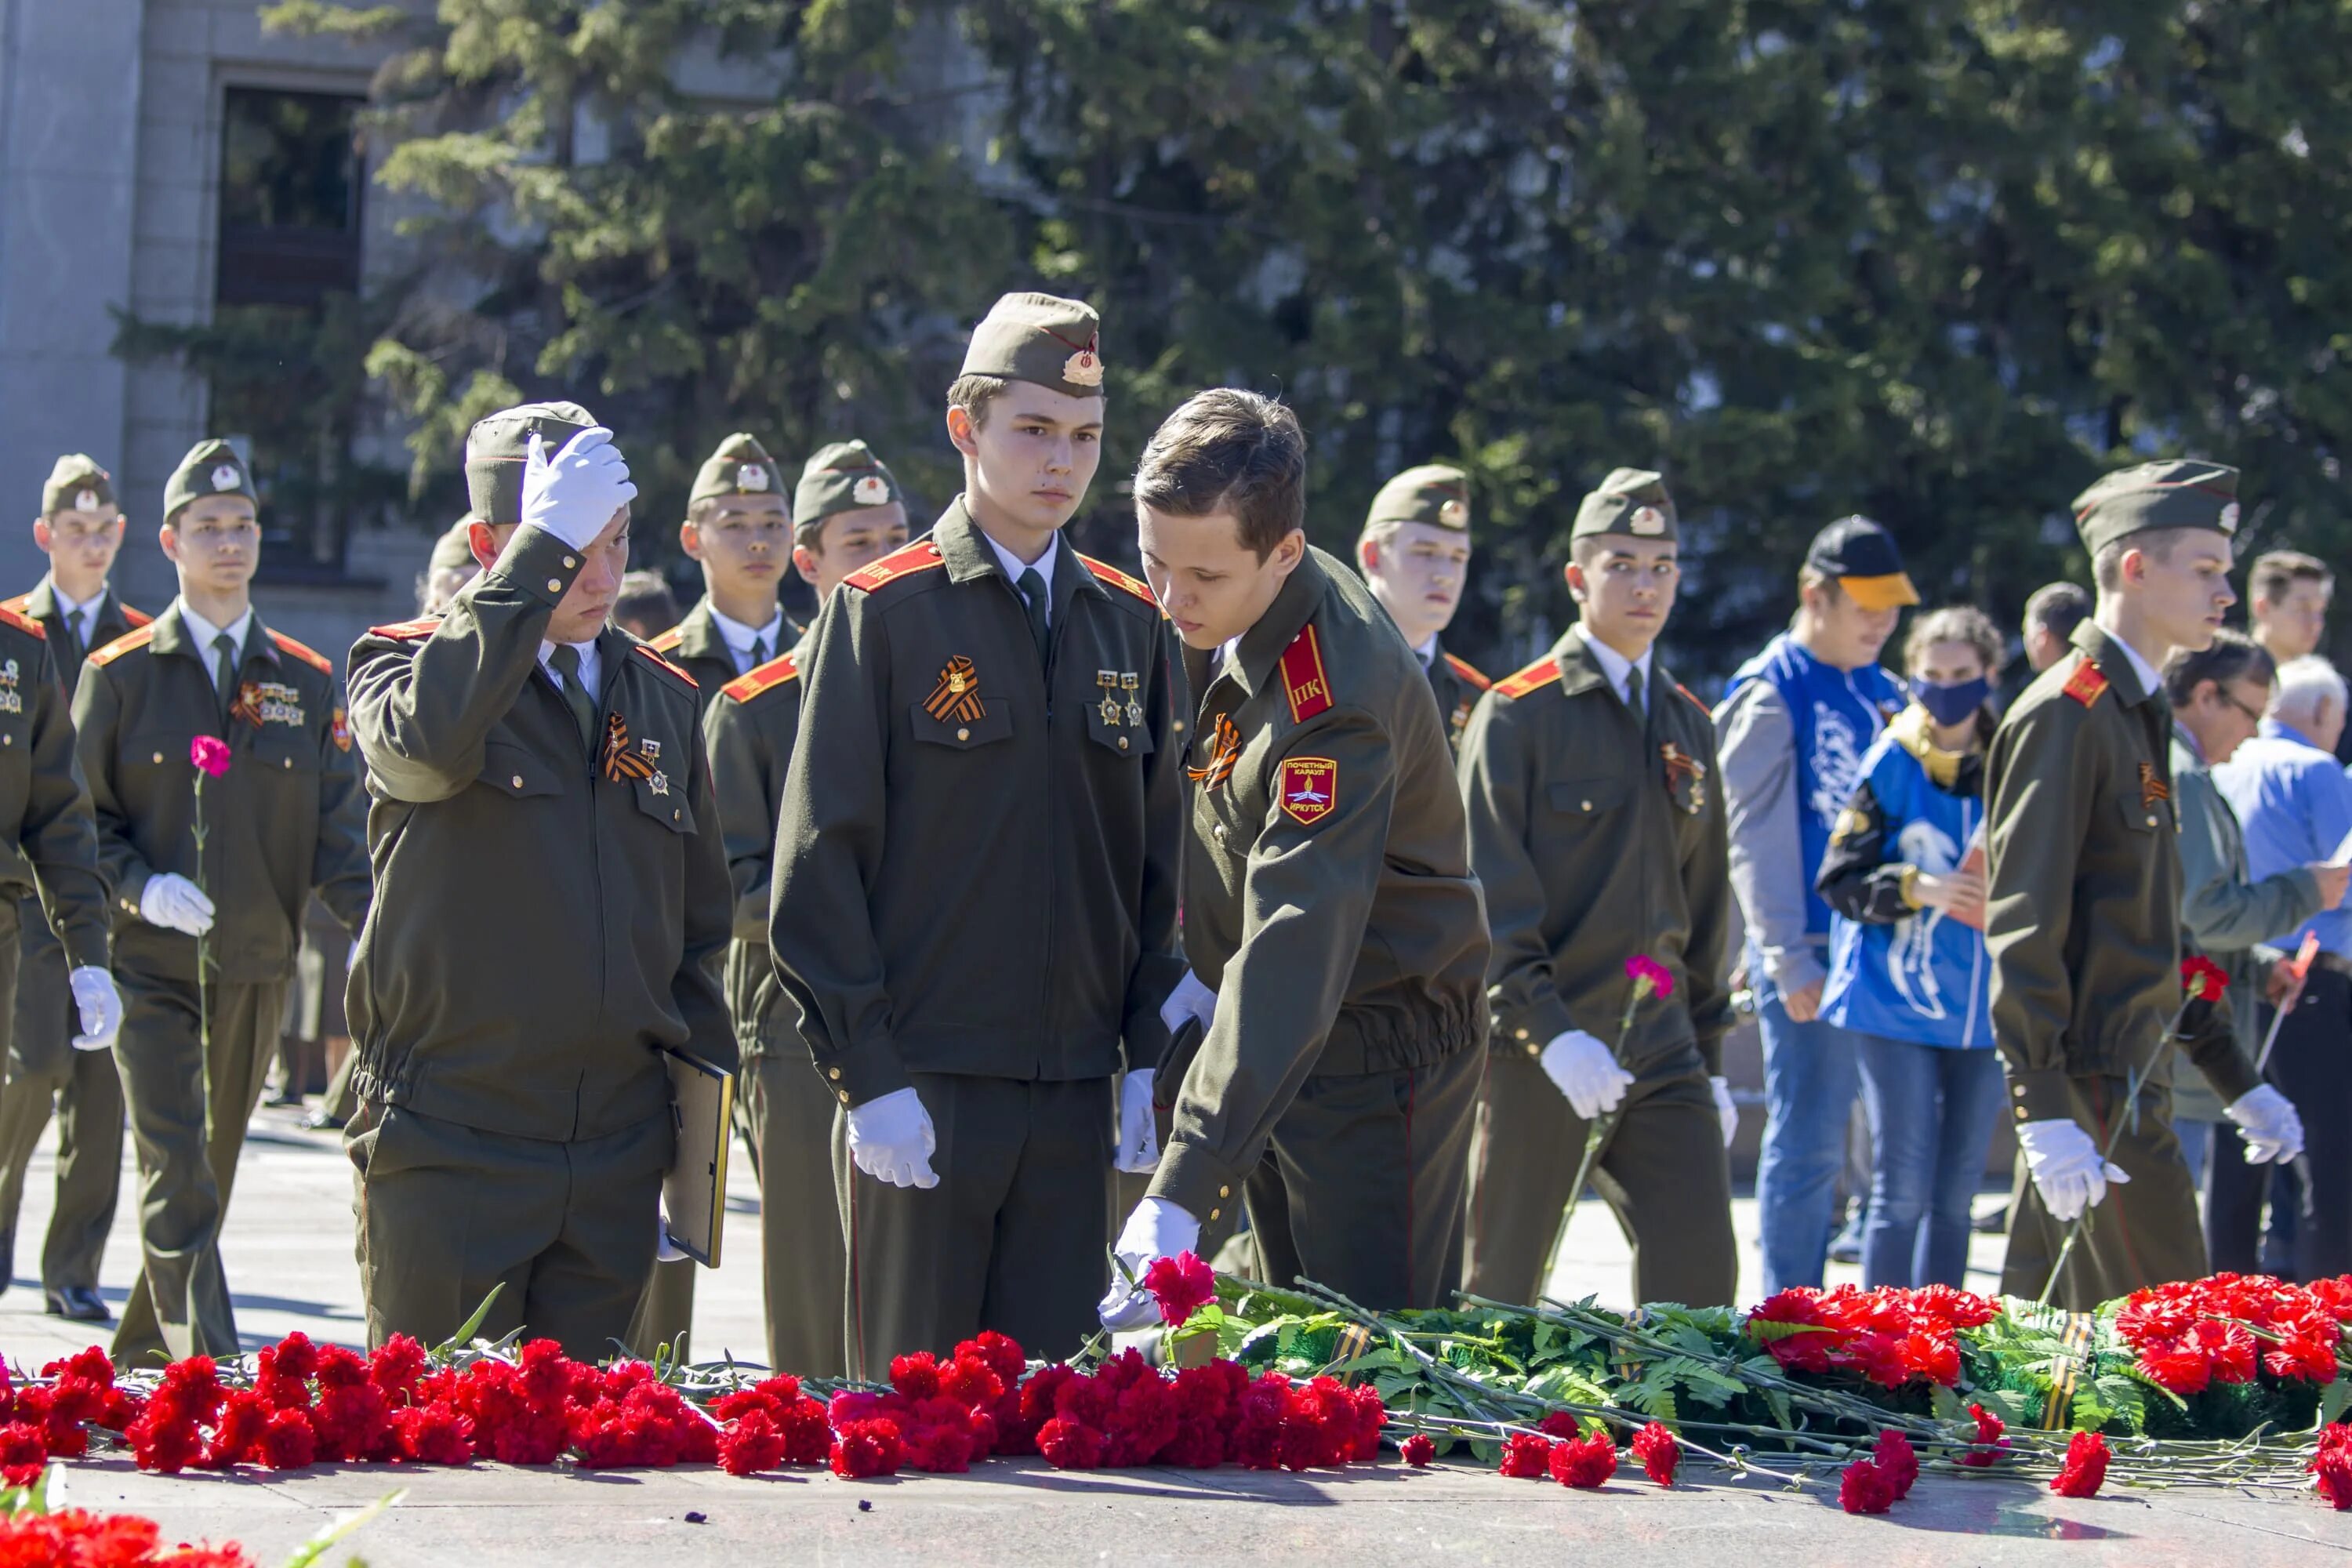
[{"x": 289, "y": 198}]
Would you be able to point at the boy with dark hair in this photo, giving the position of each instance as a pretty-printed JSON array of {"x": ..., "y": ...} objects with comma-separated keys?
[{"x": 2288, "y": 594}]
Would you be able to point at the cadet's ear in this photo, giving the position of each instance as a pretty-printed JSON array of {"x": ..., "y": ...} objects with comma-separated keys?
[
  {"x": 961, "y": 432},
  {"x": 168, "y": 536},
  {"x": 1368, "y": 554},
  {"x": 805, "y": 563},
  {"x": 1574, "y": 576},
  {"x": 41, "y": 535},
  {"x": 484, "y": 543},
  {"x": 690, "y": 538}
]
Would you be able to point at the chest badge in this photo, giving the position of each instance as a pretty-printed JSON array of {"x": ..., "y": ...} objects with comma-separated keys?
[
  {"x": 1310, "y": 789},
  {"x": 1685, "y": 777},
  {"x": 620, "y": 763},
  {"x": 2152, "y": 790},
  {"x": 1224, "y": 751},
  {"x": 956, "y": 698}
]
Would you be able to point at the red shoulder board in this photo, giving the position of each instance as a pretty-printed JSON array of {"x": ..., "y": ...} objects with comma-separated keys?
[
  {"x": 767, "y": 676},
  {"x": 1303, "y": 680},
  {"x": 120, "y": 646},
  {"x": 16, "y": 604},
  {"x": 1118, "y": 579},
  {"x": 1694, "y": 702},
  {"x": 308, "y": 655},
  {"x": 1535, "y": 677},
  {"x": 691, "y": 684},
  {"x": 668, "y": 642},
  {"x": 920, "y": 556},
  {"x": 1468, "y": 671},
  {"x": 130, "y": 617},
  {"x": 2086, "y": 684},
  {"x": 406, "y": 631},
  {"x": 23, "y": 623}
]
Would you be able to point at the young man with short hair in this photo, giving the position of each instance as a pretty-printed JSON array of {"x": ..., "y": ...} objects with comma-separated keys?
[
  {"x": 974, "y": 894},
  {"x": 1336, "y": 941},
  {"x": 80, "y": 529},
  {"x": 1791, "y": 729},
  {"x": 551, "y": 904},
  {"x": 739, "y": 526},
  {"x": 1415, "y": 553},
  {"x": 2051, "y": 617},
  {"x": 2083, "y": 911},
  {"x": 847, "y": 514},
  {"x": 2287, "y": 596},
  {"x": 284, "y": 820},
  {"x": 1596, "y": 832}
]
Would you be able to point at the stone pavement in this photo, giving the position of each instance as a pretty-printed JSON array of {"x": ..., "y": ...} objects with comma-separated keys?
[{"x": 287, "y": 1250}]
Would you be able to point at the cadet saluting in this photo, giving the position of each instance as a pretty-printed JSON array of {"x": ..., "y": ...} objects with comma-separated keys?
[{"x": 552, "y": 902}]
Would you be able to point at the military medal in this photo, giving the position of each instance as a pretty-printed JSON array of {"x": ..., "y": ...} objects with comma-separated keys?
[
  {"x": 1128, "y": 683},
  {"x": 957, "y": 696},
  {"x": 1108, "y": 680},
  {"x": 1680, "y": 766},
  {"x": 247, "y": 709},
  {"x": 620, "y": 763}
]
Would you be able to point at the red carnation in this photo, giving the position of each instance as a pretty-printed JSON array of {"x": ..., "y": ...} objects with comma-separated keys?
[
  {"x": 288, "y": 1442},
  {"x": 1419, "y": 1449},
  {"x": 396, "y": 1365},
  {"x": 1989, "y": 1444},
  {"x": 750, "y": 1444},
  {"x": 1655, "y": 1447},
  {"x": 21, "y": 1443},
  {"x": 210, "y": 754},
  {"x": 1865, "y": 1488},
  {"x": 1182, "y": 1285},
  {"x": 2332, "y": 1466},
  {"x": 2085, "y": 1468},
  {"x": 237, "y": 1439},
  {"x": 915, "y": 1377},
  {"x": 1526, "y": 1456},
  {"x": 1644, "y": 970},
  {"x": 2203, "y": 979},
  {"x": 433, "y": 1435},
  {"x": 1586, "y": 1463},
  {"x": 1895, "y": 1456},
  {"x": 968, "y": 1379},
  {"x": 861, "y": 1449},
  {"x": 1070, "y": 1445},
  {"x": 1004, "y": 1356}
]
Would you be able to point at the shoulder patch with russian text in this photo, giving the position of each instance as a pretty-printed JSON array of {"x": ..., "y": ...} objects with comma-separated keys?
[{"x": 1303, "y": 679}]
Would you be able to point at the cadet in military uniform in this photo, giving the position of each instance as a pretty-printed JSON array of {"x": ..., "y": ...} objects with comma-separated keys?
[
  {"x": 1597, "y": 830},
  {"x": 846, "y": 513},
  {"x": 1414, "y": 552},
  {"x": 1329, "y": 906},
  {"x": 282, "y": 821},
  {"x": 975, "y": 874},
  {"x": 80, "y": 529},
  {"x": 2083, "y": 917},
  {"x": 739, "y": 525},
  {"x": 551, "y": 904}
]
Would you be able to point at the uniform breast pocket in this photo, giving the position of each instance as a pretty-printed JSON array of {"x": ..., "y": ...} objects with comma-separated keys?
[
  {"x": 1115, "y": 715},
  {"x": 149, "y": 752},
  {"x": 516, "y": 772},
  {"x": 1589, "y": 799},
  {"x": 2142, "y": 815},
  {"x": 662, "y": 798},
  {"x": 285, "y": 749},
  {"x": 961, "y": 725}
]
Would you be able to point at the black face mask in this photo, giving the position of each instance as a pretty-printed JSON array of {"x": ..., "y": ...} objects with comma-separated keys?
[{"x": 1951, "y": 704}]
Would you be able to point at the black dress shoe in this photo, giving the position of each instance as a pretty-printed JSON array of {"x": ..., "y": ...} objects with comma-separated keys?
[{"x": 78, "y": 1302}]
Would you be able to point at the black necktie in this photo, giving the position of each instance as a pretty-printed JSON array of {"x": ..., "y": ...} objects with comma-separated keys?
[
  {"x": 74, "y": 638},
  {"x": 1634, "y": 690},
  {"x": 225, "y": 656},
  {"x": 1033, "y": 596},
  {"x": 565, "y": 662},
  {"x": 759, "y": 653}
]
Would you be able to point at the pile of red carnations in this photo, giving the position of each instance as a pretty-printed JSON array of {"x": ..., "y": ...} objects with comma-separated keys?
[
  {"x": 2199, "y": 1332},
  {"x": 1889, "y": 1337},
  {"x": 1563, "y": 1450},
  {"x": 76, "y": 1538}
]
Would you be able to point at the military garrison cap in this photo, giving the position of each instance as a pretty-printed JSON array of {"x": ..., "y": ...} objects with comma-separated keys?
[
  {"x": 453, "y": 551},
  {"x": 2180, "y": 492},
  {"x": 1039, "y": 338},
  {"x": 499, "y": 444},
  {"x": 210, "y": 469},
  {"x": 77, "y": 484},
  {"x": 1632, "y": 501},
  {"x": 1431, "y": 493},
  {"x": 740, "y": 467},
  {"x": 844, "y": 476}
]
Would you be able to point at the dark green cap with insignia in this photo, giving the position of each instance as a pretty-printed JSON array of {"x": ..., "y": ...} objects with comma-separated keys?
[
  {"x": 740, "y": 467},
  {"x": 2179, "y": 492},
  {"x": 844, "y": 476},
  {"x": 1039, "y": 338},
  {"x": 499, "y": 444},
  {"x": 1630, "y": 501},
  {"x": 77, "y": 484},
  {"x": 1431, "y": 493},
  {"x": 210, "y": 469},
  {"x": 453, "y": 551}
]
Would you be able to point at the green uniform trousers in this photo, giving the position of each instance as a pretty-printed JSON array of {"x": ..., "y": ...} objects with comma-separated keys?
[
  {"x": 45, "y": 1072},
  {"x": 1011, "y": 1238},
  {"x": 448, "y": 1212},
  {"x": 665, "y": 1314},
  {"x": 188, "y": 1111},
  {"x": 1361, "y": 1185},
  {"x": 1663, "y": 1172},
  {"x": 804, "y": 1266},
  {"x": 2144, "y": 1232}
]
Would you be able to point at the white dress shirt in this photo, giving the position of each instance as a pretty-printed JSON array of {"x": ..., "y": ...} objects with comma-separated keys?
[
  {"x": 1044, "y": 566},
  {"x": 740, "y": 637},
  {"x": 1616, "y": 666},
  {"x": 80, "y": 618},
  {"x": 589, "y": 666},
  {"x": 204, "y": 632}
]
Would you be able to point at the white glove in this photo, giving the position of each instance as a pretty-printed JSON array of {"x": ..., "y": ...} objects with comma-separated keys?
[
  {"x": 575, "y": 493},
  {"x": 2067, "y": 1167},
  {"x": 890, "y": 1138},
  {"x": 1586, "y": 1072},
  {"x": 100, "y": 1005},
  {"x": 1157, "y": 1229},
  {"x": 665, "y": 1249},
  {"x": 1139, "y": 1136},
  {"x": 172, "y": 901},
  {"x": 2271, "y": 1126},
  {"x": 1724, "y": 1112},
  {"x": 1190, "y": 999}
]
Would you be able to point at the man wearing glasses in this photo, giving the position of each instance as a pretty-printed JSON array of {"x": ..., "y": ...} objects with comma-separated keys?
[{"x": 283, "y": 819}]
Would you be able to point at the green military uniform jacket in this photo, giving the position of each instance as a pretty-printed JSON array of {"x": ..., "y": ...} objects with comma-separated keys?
[
  {"x": 2083, "y": 911},
  {"x": 975, "y": 870},
  {"x": 1329, "y": 899},
  {"x": 749, "y": 730},
  {"x": 283, "y": 821},
  {"x": 66, "y": 652},
  {"x": 44, "y": 816},
  {"x": 547, "y": 919},
  {"x": 1599, "y": 836},
  {"x": 1457, "y": 684},
  {"x": 696, "y": 646}
]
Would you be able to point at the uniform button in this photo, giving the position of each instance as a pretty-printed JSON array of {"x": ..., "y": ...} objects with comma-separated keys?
[
  {"x": 159, "y": 756},
  {"x": 673, "y": 816},
  {"x": 2151, "y": 819},
  {"x": 1214, "y": 1213},
  {"x": 964, "y": 734},
  {"x": 570, "y": 561},
  {"x": 289, "y": 762},
  {"x": 843, "y": 1094},
  {"x": 7, "y": 740},
  {"x": 1522, "y": 1034},
  {"x": 1220, "y": 832},
  {"x": 555, "y": 585},
  {"x": 1178, "y": 726},
  {"x": 1122, "y": 743},
  {"x": 833, "y": 1074},
  {"x": 1224, "y": 1192}
]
